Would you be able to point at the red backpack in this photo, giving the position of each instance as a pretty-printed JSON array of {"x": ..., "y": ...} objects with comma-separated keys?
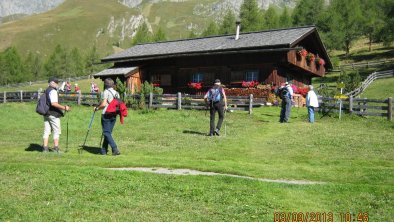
[{"x": 117, "y": 107}]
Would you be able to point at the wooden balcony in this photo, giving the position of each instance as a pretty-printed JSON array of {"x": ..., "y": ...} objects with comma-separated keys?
[{"x": 300, "y": 61}]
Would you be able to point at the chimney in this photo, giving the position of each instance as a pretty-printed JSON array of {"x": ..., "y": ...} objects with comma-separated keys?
[{"x": 238, "y": 23}]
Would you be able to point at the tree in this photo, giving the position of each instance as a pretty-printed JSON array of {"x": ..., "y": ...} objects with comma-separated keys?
[
  {"x": 211, "y": 30},
  {"x": 143, "y": 35},
  {"x": 12, "y": 66},
  {"x": 345, "y": 22},
  {"x": 33, "y": 67},
  {"x": 372, "y": 21},
  {"x": 271, "y": 18},
  {"x": 159, "y": 36},
  {"x": 285, "y": 19},
  {"x": 91, "y": 59},
  {"x": 386, "y": 9},
  {"x": 228, "y": 24},
  {"x": 251, "y": 19},
  {"x": 57, "y": 64},
  {"x": 77, "y": 66},
  {"x": 307, "y": 12}
]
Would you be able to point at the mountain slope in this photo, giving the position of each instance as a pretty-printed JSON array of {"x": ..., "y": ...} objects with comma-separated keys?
[{"x": 109, "y": 23}]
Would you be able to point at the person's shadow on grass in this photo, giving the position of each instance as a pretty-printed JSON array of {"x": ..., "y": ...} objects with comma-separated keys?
[
  {"x": 92, "y": 149},
  {"x": 34, "y": 147},
  {"x": 194, "y": 132}
]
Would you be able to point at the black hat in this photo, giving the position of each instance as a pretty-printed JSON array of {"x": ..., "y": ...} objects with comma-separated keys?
[
  {"x": 53, "y": 79},
  {"x": 217, "y": 81}
]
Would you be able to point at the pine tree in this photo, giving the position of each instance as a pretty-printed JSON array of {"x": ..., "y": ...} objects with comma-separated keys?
[
  {"x": 211, "y": 30},
  {"x": 91, "y": 59},
  {"x": 57, "y": 63},
  {"x": 285, "y": 19},
  {"x": 307, "y": 12},
  {"x": 372, "y": 21},
  {"x": 159, "y": 36},
  {"x": 12, "y": 66},
  {"x": 143, "y": 35},
  {"x": 77, "y": 66},
  {"x": 345, "y": 22},
  {"x": 228, "y": 24},
  {"x": 271, "y": 18},
  {"x": 251, "y": 19}
]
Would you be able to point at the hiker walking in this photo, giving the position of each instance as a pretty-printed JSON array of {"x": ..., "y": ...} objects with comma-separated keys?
[
  {"x": 216, "y": 99},
  {"x": 286, "y": 94},
  {"x": 52, "y": 118},
  {"x": 311, "y": 103},
  {"x": 108, "y": 119}
]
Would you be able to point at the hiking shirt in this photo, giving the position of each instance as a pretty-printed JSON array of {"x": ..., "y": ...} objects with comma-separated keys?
[
  {"x": 311, "y": 99},
  {"x": 109, "y": 95}
]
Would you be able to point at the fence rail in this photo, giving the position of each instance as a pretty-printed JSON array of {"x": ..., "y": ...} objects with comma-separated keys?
[
  {"x": 170, "y": 101},
  {"x": 366, "y": 64},
  {"x": 22, "y": 84},
  {"x": 372, "y": 77},
  {"x": 363, "y": 107}
]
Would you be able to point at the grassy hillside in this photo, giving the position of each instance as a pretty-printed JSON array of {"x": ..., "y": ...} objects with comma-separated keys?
[
  {"x": 77, "y": 24},
  {"x": 73, "y": 24}
]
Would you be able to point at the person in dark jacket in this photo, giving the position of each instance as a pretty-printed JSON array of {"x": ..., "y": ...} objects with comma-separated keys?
[{"x": 52, "y": 118}]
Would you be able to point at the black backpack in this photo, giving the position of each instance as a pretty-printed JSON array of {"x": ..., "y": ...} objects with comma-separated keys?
[
  {"x": 283, "y": 92},
  {"x": 43, "y": 104}
]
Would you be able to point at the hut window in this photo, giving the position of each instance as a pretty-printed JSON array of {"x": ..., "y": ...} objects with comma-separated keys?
[
  {"x": 252, "y": 75},
  {"x": 155, "y": 79},
  {"x": 197, "y": 77}
]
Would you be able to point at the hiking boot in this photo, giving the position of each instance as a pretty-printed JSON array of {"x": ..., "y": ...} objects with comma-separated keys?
[
  {"x": 103, "y": 151},
  {"x": 216, "y": 132},
  {"x": 56, "y": 149},
  {"x": 116, "y": 153},
  {"x": 210, "y": 134},
  {"x": 45, "y": 149}
]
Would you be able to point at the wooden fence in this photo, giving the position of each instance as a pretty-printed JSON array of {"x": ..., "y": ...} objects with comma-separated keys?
[
  {"x": 170, "y": 101},
  {"x": 363, "y": 107}
]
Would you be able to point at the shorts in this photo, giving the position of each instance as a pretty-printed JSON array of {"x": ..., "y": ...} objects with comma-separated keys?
[{"x": 51, "y": 124}]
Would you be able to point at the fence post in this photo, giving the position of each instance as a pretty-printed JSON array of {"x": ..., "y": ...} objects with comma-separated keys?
[
  {"x": 79, "y": 98},
  {"x": 5, "y": 97},
  {"x": 351, "y": 104},
  {"x": 150, "y": 100},
  {"x": 250, "y": 103},
  {"x": 179, "y": 105},
  {"x": 390, "y": 109}
]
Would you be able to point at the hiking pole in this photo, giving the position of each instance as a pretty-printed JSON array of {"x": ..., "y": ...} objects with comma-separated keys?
[
  {"x": 225, "y": 123},
  {"x": 87, "y": 133},
  {"x": 67, "y": 134}
]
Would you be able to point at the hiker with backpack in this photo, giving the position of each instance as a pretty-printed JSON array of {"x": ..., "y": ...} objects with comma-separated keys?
[
  {"x": 216, "y": 100},
  {"x": 108, "y": 119},
  {"x": 49, "y": 107},
  {"x": 286, "y": 94}
]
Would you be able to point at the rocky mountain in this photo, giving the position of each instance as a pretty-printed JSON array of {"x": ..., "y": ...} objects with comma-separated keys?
[{"x": 27, "y": 7}]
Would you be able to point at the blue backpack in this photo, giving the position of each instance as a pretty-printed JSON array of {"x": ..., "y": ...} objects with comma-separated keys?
[{"x": 215, "y": 94}]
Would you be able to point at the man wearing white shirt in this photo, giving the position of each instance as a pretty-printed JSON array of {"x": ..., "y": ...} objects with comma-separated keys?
[{"x": 311, "y": 103}]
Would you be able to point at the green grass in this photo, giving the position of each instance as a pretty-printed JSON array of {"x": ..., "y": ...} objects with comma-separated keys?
[
  {"x": 380, "y": 89},
  {"x": 354, "y": 156}
]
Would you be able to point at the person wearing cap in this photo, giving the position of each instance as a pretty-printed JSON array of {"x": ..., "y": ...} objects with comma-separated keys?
[
  {"x": 108, "y": 120},
  {"x": 76, "y": 88},
  {"x": 216, "y": 99},
  {"x": 311, "y": 103},
  {"x": 52, "y": 118},
  {"x": 286, "y": 103}
]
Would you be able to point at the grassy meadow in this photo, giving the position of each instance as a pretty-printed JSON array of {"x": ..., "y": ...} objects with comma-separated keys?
[{"x": 352, "y": 158}]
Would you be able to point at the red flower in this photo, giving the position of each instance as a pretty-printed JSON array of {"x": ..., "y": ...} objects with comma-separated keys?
[
  {"x": 195, "y": 85},
  {"x": 310, "y": 57},
  {"x": 320, "y": 61},
  {"x": 302, "y": 52},
  {"x": 250, "y": 84},
  {"x": 156, "y": 84}
]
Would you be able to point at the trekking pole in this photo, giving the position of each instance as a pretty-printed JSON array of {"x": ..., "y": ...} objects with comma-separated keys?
[
  {"x": 67, "y": 133},
  {"x": 225, "y": 123},
  {"x": 87, "y": 133},
  {"x": 101, "y": 140}
]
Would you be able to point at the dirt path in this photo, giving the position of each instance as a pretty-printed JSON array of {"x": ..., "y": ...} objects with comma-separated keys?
[{"x": 196, "y": 172}]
